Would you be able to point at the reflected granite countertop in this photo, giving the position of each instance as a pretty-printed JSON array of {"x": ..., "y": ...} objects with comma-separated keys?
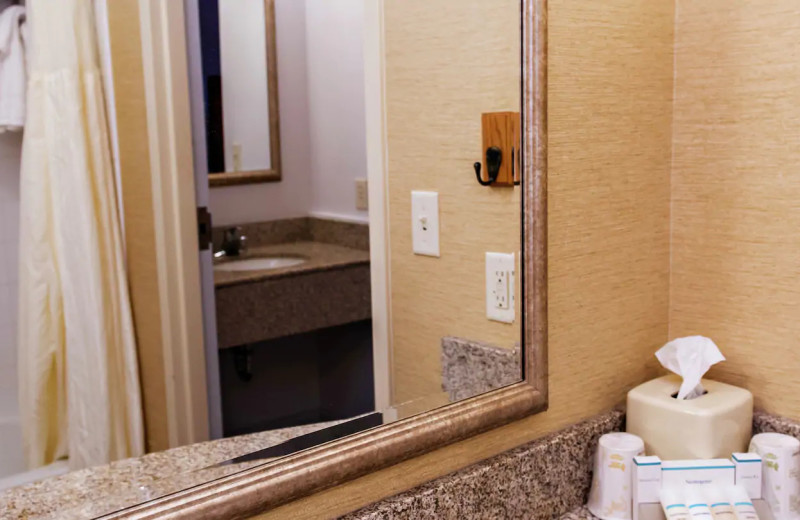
[
  {"x": 317, "y": 256},
  {"x": 100, "y": 490},
  {"x": 331, "y": 288}
]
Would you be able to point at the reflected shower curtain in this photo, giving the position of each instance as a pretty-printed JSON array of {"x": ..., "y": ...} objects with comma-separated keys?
[{"x": 78, "y": 372}]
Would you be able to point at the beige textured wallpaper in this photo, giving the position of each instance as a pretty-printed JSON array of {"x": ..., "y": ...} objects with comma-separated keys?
[
  {"x": 736, "y": 191},
  {"x": 610, "y": 112},
  {"x": 140, "y": 242},
  {"x": 447, "y": 62}
]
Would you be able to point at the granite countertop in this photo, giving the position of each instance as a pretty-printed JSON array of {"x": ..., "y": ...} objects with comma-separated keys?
[
  {"x": 92, "y": 492},
  {"x": 319, "y": 256},
  {"x": 544, "y": 479}
]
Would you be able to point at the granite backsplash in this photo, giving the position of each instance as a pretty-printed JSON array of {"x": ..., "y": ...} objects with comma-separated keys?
[
  {"x": 303, "y": 229},
  {"x": 545, "y": 479},
  {"x": 471, "y": 368}
]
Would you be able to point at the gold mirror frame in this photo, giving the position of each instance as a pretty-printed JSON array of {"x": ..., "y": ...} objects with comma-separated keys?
[
  {"x": 274, "y": 483},
  {"x": 274, "y": 173}
]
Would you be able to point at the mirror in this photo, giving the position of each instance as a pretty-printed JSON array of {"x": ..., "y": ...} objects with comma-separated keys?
[
  {"x": 376, "y": 290},
  {"x": 240, "y": 90},
  {"x": 307, "y": 332}
]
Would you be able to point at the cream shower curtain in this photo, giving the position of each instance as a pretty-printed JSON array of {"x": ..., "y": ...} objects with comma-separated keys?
[{"x": 78, "y": 373}]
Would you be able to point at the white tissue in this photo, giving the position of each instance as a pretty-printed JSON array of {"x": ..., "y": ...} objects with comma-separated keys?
[{"x": 690, "y": 358}]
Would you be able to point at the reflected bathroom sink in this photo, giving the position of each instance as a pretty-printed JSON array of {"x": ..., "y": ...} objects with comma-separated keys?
[{"x": 259, "y": 264}]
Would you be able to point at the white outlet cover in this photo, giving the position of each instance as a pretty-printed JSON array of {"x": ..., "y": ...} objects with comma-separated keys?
[
  {"x": 500, "y": 287},
  {"x": 425, "y": 222}
]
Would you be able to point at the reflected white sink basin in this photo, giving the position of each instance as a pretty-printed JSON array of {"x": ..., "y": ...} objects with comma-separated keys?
[{"x": 259, "y": 264}]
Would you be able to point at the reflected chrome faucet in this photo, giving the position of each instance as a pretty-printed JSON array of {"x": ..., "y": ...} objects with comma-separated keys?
[{"x": 233, "y": 244}]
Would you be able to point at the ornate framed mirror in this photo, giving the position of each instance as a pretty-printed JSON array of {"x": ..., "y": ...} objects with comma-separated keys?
[
  {"x": 386, "y": 299},
  {"x": 248, "y": 486},
  {"x": 240, "y": 92}
]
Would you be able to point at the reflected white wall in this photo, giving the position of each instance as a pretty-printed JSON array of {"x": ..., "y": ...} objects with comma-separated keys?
[
  {"x": 292, "y": 196},
  {"x": 11, "y": 460},
  {"x": 335, "y": 61},
  {"x": 323, "y": 134}
]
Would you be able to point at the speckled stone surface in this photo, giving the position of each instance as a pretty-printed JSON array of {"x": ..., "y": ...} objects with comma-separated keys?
[
  {"x": 345, "y": 234},
  {"x": 766, "y": 423},
  {"x": 545, "y": 479},
  {"x": 95, "y": 491},
  {"x": 316, "y": 256},
  {"x": 267, "y": 233},
  {"x": 471, "y": 368},
  {"x": 280, "y": 306},
  {"x": 330, "y": 287},
  {"x": 306, "y": 229}
]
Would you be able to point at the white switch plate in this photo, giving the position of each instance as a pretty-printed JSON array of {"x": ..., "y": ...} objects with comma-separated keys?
[
  {"x": 500, "y": 283},
  {"x": 237, "y": 157},
  {"x": 425, "y": 222},
  {"x": 362, "y": 194}
]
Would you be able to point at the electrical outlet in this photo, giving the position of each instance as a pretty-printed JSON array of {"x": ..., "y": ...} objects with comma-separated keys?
[
  {"x": 500, "y": 293},
  {"x": 500, "y": 283},
  {"x": 362, "y": 194}
]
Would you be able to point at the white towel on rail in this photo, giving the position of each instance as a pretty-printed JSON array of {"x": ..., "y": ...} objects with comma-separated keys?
[{"x": 13, "y": 77}]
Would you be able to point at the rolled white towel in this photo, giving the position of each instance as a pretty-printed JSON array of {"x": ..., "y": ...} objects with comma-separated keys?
[{"x": 13, "y": 76}]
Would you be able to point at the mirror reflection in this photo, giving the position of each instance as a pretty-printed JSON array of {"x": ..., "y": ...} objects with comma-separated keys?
[
  {"x": 376, "y": 277},
  {"x": 240, "y": 87}
]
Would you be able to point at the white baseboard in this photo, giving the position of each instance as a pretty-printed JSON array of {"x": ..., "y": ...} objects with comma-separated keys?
[{"x": 351, "y": 219}]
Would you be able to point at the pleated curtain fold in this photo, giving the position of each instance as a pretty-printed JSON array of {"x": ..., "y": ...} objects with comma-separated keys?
[{"x": 78, "y": 372}]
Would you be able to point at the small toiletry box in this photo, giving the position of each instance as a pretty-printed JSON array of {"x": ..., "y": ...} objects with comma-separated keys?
[{"x": 711, "y": 426}]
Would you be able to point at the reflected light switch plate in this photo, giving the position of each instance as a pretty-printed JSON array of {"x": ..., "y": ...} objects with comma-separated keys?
[
  {"x": 425, "y": 222},
  {"x": 237, "y": 157},
  {"x": 362, "y": 195}
]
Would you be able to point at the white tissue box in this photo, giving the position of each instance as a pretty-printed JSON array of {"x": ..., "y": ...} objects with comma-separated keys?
[{"x": 710, "y": 427}]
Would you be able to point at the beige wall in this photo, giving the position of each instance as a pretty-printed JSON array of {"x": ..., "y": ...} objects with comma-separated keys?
[
  {"x": 447, "y": 62},
  {"x": 610, "y": 112},
  {"x": 137, "y": 196},
  {"x": 736, "y": 215}
]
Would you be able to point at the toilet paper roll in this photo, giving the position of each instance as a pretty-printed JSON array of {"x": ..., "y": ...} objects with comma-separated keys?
[
  {"x": 610, "y": 497},
  {"x": 780, "y": 484}
]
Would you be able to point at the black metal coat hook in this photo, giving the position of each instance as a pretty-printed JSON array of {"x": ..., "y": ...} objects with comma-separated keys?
[{"x": 494, "y": 160}]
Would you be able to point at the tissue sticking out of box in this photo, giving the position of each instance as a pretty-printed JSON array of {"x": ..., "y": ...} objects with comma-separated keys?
[{"x": 690, "y": 358}]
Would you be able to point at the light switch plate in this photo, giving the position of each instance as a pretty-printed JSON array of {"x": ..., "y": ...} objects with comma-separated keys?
[
  {"x": 500, "y": 284},
  {"x": 362, "y": 195},
  {"x": 425, "y": 222},
  {"x": 237, "y": 157}
]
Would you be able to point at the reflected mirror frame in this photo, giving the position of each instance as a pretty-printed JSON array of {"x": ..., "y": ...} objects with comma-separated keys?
[
  {"x": 259, "y": 489},
  {"x": 275, "y": 172}
]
